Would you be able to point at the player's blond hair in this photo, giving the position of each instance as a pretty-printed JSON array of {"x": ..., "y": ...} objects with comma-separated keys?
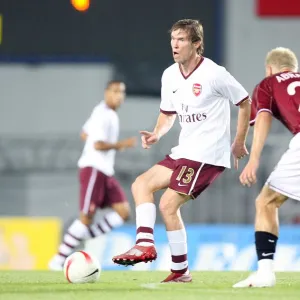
[{"x": 282, "y": 58}]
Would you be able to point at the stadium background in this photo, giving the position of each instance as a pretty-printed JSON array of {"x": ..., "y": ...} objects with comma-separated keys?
[{"x": 54, "y": 64}]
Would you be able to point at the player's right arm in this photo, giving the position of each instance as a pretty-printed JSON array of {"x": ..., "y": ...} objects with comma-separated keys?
[
  {"x": 163, "y": 125},
  {"x": 165, "y": 119}
]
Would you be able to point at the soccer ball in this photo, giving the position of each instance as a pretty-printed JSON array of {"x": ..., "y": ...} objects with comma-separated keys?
[{"x": 81, "y": 267}]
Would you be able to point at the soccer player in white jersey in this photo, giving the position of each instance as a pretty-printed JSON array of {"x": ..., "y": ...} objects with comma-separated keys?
[
  {"x": 98, "y": 187},
  {"x": 199, "y": 92}
]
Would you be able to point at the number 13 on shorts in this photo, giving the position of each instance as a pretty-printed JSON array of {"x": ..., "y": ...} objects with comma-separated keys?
[
  {"x": 191, "y": 177},
  {"x": 185, "y": 175}
]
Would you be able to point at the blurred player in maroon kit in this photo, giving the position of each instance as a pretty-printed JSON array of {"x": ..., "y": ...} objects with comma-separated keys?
[
  {"x": 98, "y": 187},
  {"x": 278, "y": 96}
]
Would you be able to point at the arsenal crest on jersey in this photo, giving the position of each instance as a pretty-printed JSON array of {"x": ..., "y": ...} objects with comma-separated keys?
[{"x": 197, "y": 88}]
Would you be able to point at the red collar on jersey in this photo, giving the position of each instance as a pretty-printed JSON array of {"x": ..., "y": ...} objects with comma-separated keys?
[{"x": 196, "y": 67}]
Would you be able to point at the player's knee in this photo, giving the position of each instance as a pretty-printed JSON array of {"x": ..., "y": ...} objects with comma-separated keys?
[
  {"x": 262, "y": 204},
  {"x": 139, "y": 184},
  {"x": 268, "y": 200},
  {"x": 135, "y": 186},
  {"x": 124, "y": 212},
  {"x": 167, "y": 207},
  {"x": 86, "y": 219},
  {"x": 122, "y": 209}
]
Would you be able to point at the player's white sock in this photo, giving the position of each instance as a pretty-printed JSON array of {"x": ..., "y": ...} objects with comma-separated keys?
[
  {"x": 145, "y": 220},
  {"x": 266, "y": 265},
  {"x": 106, "y": 224},
  {"x": 178, "y": 246},
  {"x": 76, "y": 233}
]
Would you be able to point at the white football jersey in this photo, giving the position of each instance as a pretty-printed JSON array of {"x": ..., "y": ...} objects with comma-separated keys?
[
  {"x": 103, "y": 125},
  {"x": 201, "y": 101}
]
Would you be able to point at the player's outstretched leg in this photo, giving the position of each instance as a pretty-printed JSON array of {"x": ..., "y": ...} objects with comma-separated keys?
[
  {"x": 80, "y": 230},
  {"x": 103, "y": 192},
  {"x": 144, "y": 249},
  {"x": 156, "y": 178},
  {"x": 266, "y": 237},
  {"x": 75, "y": 234}
]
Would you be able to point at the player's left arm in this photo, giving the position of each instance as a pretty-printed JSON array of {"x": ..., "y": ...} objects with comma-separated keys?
[
  {"x": 243, "y": 121},
  {"x": 232, "y": 90},
  {"x": 238, "y": 148}
]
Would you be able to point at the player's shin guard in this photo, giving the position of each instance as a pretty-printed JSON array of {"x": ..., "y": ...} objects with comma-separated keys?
[{"x": 265, "y": 243}]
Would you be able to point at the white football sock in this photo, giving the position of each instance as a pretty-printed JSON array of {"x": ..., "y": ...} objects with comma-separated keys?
[
  {"x": 76, "y": 233},
  {"x": 145, "y": 220},
  {"x": 178, "y": 247}
]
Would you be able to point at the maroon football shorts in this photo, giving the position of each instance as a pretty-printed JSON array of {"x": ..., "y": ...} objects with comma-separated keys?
[
  {"x": 98, "y": 190},
  {"x": 190, "y": 177}
]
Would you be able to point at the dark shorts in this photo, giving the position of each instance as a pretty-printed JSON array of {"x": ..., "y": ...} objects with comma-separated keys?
[
  {"x": 98, "y": 190},
  {"x": 190, "y": 177}
]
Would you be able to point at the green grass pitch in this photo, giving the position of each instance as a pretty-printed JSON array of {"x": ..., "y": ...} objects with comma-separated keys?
[{"x": 132, "y": 285}]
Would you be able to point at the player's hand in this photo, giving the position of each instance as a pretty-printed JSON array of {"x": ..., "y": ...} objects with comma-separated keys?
[
  {"x": 128, "y": 143},
  {"x": 239, "y": 151},
  {"x": 248, "y": 176},
  {"x": 148, "y": 138}
]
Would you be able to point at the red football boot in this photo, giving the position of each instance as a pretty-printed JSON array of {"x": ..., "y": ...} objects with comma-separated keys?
[
  {"x": 136, "y": 255},
  {"x": 177, "y": 277}
]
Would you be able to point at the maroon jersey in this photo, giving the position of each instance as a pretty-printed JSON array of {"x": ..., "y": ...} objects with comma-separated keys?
[{"x": 280, "y": 95}]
